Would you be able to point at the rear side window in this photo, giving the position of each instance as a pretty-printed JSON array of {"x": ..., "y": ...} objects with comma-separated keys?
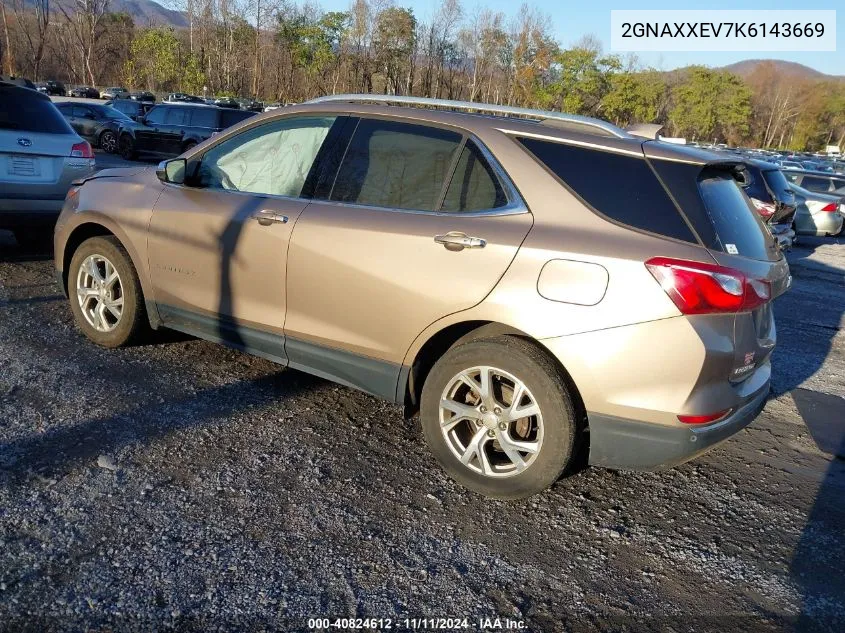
[
  {"x": 395, "y": 165},
  {"x": 736, "y": 222},
  {"x": 176, "y": 116},
  {"x": 229, "y": 117},
  {"x": 618, "y": 186},
  {"x": 156, "y": 115},
  {"x": 474, "y": 185},
  {"x": 204, "y": 117},
  {"x": 24, "y": 110}
]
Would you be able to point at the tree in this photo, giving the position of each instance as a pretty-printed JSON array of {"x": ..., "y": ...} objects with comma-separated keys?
[
  {"x": 711, "y": 104},
  {"x": 85, "y": 18},
  {"x": 634, "y": 97},
  {"x": 394, "y": 42}
]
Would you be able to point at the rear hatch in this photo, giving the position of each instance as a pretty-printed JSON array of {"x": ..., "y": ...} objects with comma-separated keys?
[
  {"x": 35, "y": 141},
  {"x": 738, "y": 240}
]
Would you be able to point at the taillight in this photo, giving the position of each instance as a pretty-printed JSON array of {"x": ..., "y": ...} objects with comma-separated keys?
[
  {"x": 82, "y": 150},
  {"x": 766, "y": 209},
  {"x": 829, "y": 208},
  {"x": 699, "y": 288},
  {"x": 703, "y": 419}
]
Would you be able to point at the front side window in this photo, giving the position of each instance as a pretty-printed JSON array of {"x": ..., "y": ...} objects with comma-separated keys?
[
  {"x": 273, "y": 159},
  {"x": 395, "y": 165},
  {"x": 156, "y": 116},
  {"x": 474, "y": 185}
]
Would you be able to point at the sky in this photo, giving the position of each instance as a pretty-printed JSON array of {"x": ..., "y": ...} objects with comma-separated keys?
[{"x": 573, "y": 19}]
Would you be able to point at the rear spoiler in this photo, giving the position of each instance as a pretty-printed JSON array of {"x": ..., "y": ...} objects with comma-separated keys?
[{"x": 645, "y": 130}]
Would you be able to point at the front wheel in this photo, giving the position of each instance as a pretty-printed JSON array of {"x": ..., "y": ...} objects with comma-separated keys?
[
  {"x": 498, "y": 417},
  {"x": 105, "y": 293},
  {"x": 108, "y": 142}
]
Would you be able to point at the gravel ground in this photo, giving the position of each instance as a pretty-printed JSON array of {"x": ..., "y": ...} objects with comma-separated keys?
[{"x": 184, "y": 486}]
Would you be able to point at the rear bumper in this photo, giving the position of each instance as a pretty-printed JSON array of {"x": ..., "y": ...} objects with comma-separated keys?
[{"x": 632, "y": 445}]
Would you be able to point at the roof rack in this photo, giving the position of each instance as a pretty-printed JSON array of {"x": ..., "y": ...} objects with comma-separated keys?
[{"x": 601, "y": 127}]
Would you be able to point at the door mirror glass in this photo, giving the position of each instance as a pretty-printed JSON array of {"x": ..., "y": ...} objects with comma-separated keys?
[{"x": 172, "y": 171}]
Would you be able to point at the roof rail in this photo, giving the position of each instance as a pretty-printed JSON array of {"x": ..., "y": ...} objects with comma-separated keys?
[{"x": 481, "y": 108}]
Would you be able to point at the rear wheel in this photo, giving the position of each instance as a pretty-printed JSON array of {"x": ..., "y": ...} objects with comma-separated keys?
[
  {"x": 498, "y": 417},
  {"x": 105, "y": 293},
  {"x": 108, "y": 141},
  {"x": 127, "y": 147}
]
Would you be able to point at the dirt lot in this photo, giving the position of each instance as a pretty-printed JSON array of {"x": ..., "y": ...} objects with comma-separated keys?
[{"x": 180, "y": 485}]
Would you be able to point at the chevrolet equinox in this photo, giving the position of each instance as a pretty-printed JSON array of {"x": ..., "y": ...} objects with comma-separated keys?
[{"x": 534, "y": 284}]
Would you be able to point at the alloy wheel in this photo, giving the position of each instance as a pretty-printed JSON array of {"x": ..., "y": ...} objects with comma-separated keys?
[
  {"x": 108, "y": 142},
  {"x": 100, "y": 293},
  {"x": 491, "y": 421}
]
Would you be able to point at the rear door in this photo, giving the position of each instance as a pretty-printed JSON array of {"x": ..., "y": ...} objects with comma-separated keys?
[{"x": 396, "y": 243}]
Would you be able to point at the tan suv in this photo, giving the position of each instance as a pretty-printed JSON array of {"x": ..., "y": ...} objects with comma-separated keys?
[{"x": 535, "y": 284}]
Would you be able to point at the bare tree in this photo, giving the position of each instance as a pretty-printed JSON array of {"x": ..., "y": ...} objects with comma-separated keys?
[{"x": 84, "y": 18}]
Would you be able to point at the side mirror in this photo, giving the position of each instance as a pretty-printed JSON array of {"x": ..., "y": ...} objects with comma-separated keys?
[{"x": 172, "y": 171}]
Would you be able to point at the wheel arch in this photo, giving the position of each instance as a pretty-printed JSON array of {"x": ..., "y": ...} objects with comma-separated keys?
[
  {"x": 101, "y": 228},
  {"x": 414, "y": 374}
]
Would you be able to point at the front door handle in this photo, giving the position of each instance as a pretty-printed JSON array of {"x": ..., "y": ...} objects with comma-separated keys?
[
  {"x": 266, "y": 218},
  {"x": 457, "y": 241}
]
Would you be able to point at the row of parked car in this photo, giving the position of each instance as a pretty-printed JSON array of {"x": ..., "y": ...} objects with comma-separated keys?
[
  {"x": 792, "y": 201},
  {"x": 164, "y": 130}
]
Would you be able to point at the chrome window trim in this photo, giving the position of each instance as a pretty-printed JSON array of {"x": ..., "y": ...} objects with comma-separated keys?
[{"x": 567, "y": 141}]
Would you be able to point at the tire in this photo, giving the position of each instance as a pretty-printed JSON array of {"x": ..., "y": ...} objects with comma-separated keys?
[
  {"x": 108, "y": 141},
  {"x": 552, "y": 432},
  {"x": 126, "y": 147},
  {"x": 132, "y": 323}
]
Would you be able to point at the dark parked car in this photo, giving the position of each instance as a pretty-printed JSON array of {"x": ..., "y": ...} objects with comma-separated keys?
[
  {"x": 226, "y": 102},
  {"x": 23, "y": 82},
  {"x": 135, "y": 110},
  {"x": 181, "y": 97},
  {"x": 149, "y": 97},
  {"x": 53, "y": 88},
  {"x": 86, "y": 92},
  {"x": 172, "y": 128},
  {"x": 771, "y": 195},
  {"x": 98, "y": 124},
  {"x": 820, "y": 181}
]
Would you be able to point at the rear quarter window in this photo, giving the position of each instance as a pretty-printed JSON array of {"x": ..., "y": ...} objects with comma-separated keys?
[
  {"x": 24, "y": 110},
  {"x": 620, "y": 187}
]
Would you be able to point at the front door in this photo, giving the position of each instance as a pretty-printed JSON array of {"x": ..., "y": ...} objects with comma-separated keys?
[
  {"x": 390, "y": 252},
  {"x": 218, "y": 245}
]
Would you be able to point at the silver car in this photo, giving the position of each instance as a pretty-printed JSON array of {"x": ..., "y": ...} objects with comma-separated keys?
[
  {"x": 818, "y": 213},
  {"x": 40, "y": 155}
]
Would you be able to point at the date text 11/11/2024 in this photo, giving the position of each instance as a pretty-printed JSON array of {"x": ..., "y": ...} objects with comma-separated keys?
[{"x": 418, "y": 624}]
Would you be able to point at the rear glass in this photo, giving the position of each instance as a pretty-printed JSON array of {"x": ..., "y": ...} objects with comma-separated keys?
[
  {"x": 474, "y": 186},
  {"x": 24, "y": 110},
  {"x": 814, "y": 183},
  {"x": 779, "y": 185},
  {"x": 736, "y": 222},
  {"x": 618, "y": 186}
]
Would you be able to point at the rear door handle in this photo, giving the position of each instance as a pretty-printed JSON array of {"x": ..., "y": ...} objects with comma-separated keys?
[
  {"x": 457, "y": 241},
  {"x": 266, "y": 218}
]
